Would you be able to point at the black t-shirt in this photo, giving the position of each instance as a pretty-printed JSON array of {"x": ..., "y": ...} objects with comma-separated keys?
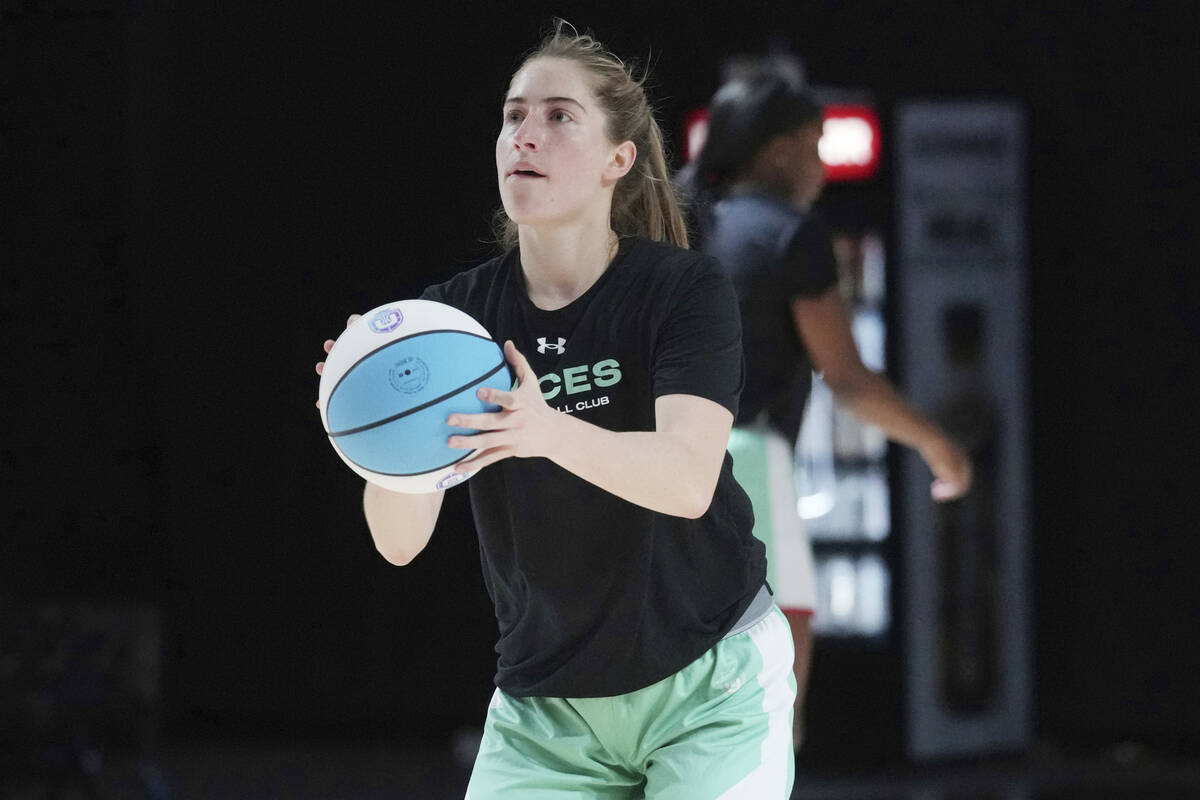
[
  {"x": 596, "y": 596},
  {"x": 773, "y": 254}
]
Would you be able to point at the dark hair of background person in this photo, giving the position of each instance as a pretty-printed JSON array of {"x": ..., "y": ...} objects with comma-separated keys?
[{"x": 744, "y": 115}]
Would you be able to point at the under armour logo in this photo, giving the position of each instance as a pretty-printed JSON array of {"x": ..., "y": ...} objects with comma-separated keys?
[{"x": 559, "y": 348}]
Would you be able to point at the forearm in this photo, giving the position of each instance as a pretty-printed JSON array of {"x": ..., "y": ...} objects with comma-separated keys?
[
  {"x": 872, "y": 399},
  {"x": 400, "y": 524},
  {"x": 659, "y": 470},
  {"x": 672, "y": 470},
  {"x": 824, "y": 327}
]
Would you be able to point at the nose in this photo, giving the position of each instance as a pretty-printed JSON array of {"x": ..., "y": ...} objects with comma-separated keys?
[{"x": 527, "y": 135}]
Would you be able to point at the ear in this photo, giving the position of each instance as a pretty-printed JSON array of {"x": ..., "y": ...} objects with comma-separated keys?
[{"x": 621, "y": 161}]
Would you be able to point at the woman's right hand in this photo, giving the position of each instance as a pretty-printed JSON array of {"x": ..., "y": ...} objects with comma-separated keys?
[{"x": 329, "y": 346}]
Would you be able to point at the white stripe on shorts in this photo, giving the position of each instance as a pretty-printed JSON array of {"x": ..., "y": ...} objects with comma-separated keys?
[{"x": 772, "y": 779}]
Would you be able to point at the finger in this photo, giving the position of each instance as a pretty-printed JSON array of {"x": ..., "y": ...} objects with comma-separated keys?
[
  {"x": 955, "y": 479},
  {"x": 328, "y": 345},
  {"x": 478, "y": 422},
  {"x": 497, "y": 397},
  {"x": 320, "y": 367},
  {"x": 520, "y": 366},
  {"x": 350, "y": 319},
  {"x": 943, "y": 490},
  {"x": 482, "y": 459},
  {"x": 475, "y": 441}
]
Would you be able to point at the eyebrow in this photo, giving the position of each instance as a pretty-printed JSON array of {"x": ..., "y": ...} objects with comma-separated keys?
[{"x": 549, "y": 100}]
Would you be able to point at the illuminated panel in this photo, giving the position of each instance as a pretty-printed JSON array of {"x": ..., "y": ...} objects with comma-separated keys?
[
  {"x": 695, "y": 129},
  {"x": 849, "y": 145}
]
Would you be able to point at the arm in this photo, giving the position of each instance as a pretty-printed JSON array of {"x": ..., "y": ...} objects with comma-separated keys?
[
  {"x": 673, "y": 469},
  {"x": 825, "y": 329},
  {"x": 400, "y": 524}
]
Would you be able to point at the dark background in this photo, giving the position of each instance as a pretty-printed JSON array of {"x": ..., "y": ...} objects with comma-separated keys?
[{"x": 195, "y": 196}]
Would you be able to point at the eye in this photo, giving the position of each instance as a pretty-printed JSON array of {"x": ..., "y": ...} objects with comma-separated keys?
[
  {"x": 558, "y": 115},
  {"x": 512, "y": 115}
]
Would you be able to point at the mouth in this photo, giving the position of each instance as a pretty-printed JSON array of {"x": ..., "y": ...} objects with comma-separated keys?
[{"x": 525, "y": 173}]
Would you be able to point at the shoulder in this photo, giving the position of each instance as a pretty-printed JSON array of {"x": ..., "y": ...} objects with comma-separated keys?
[
  {"x": 751, "y": 228},
  {"x": 667, "y": 263},
  {"x": 461, "y": 286},
  {"x": 677, "y": 280}
]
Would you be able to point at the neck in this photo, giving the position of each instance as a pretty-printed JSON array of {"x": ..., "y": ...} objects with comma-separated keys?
[
  {"x": 752, "y": 185},
  {"x": 562, "y": 263}
]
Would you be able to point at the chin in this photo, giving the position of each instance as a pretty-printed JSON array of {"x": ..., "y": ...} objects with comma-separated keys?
[
  {"x": 526, "y": 214},
  {"x": 520, "y": 209},
  {"x": 522, "y": 216}
]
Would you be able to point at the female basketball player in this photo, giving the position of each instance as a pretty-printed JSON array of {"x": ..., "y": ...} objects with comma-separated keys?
[
  {"x": 753, "y": 185},
  {"x": 640, "y": 653}
]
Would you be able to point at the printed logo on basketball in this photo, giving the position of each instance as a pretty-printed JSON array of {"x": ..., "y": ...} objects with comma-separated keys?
[
  {"x": 452, "y": 479},
  {"x": 559, "y": 347},
  {"x": 386, "y": 320},
  {"x": 409, "y": 375}
]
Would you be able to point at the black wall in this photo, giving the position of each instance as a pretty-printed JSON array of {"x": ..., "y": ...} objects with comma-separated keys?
[{"x": 195, "y": 198}]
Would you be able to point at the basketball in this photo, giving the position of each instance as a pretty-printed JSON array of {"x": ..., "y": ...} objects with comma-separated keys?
[{"x": 392, "y": 379}]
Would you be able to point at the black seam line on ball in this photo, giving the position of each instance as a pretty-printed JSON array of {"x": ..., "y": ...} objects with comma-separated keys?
[
  {"x": 425, "y": 472},
  {"x": 388, "y": 344},
  {"x": 415, "y": 409}
]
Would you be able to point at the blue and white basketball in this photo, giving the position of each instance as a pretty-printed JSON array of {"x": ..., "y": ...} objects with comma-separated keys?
[{"x": 392, "y": 379}]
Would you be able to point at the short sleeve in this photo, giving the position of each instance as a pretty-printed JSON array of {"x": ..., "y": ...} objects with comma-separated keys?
[
  {"x": 449, "y": 293},
  {"x": 466, "y": 290},
  {"x": 810, "y": 265},
  {"x": 699, "y": 348},
  {"x": 436, "y": 293}
]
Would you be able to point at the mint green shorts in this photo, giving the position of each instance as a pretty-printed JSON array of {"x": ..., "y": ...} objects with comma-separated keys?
[{"x": 719, "y": 728}]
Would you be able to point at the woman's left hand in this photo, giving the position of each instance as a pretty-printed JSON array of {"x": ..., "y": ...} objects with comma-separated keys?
[
  {"x": 523, "y": 427},
  {"x": 951, "y": 468}
]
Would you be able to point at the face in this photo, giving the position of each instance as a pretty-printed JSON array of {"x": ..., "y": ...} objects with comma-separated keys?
[
  {"x": 554, "y": 161},
  {"x": 805, "y": 164}
]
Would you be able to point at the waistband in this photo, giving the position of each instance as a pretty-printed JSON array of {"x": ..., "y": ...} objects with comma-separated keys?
[{"x": 759, "y": 607}]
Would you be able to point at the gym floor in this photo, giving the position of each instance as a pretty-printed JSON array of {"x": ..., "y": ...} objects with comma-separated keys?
[{"x": 342, "y": 769}]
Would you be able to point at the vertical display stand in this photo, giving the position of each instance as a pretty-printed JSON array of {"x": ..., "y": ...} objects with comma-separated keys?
[
  {"x": 841, "y": 467},
  {"x": 962, "y": 310}
]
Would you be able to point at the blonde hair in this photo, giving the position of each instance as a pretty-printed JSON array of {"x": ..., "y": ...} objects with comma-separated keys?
[{"x": 644, "y": 200}]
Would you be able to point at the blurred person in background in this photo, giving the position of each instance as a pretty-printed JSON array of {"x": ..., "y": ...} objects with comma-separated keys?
[{"x": 750, "y": 191}]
